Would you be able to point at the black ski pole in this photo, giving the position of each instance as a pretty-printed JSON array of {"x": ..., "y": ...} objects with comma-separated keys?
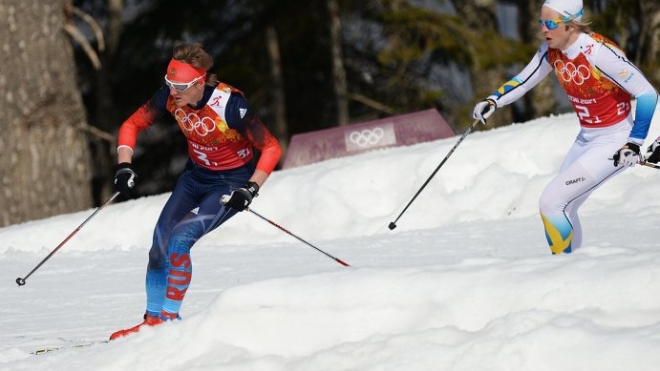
[
  {"x": 649, "y": 164},
  {"x": 21, "y": 281},
  {"x": 393, "y": 224},
  {"x": 643, "y": 162},
  {"x": 299, "y": 239}
]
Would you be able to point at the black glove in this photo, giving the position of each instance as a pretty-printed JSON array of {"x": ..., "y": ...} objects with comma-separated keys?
[
  {"x": 125, "y": 179},
  {"x": 653, "y": 152},
  {"x": 628, "y": 155},
  {"x": 242, "y": 197}
]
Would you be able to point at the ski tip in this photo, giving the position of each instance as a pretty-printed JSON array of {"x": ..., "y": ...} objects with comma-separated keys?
[
  {"x": 44, "y": 350},
  {"x": 41, "y": 351}
]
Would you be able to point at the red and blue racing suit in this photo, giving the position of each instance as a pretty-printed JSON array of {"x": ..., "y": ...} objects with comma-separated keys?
[{"x": 222, "y": 132}]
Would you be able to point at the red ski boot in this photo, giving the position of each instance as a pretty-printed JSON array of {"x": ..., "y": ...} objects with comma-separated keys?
[{"x": 148, "y": 321}]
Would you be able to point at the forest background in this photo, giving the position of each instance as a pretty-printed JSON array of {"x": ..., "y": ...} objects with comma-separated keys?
[{"x": 71, "y": 71}]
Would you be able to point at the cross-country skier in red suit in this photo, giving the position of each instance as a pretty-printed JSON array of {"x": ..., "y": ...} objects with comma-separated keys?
[{"x": 222, "y": 131}]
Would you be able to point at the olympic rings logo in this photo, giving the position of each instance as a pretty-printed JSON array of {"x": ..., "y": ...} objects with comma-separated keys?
[
  {"x": 367, "y": 137},
  {"x": 192, "y": 121},
  {"x": 569, "y": 72}
]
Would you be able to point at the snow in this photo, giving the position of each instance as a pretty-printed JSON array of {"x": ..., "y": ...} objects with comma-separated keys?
[{"x": 465, "y": 282}]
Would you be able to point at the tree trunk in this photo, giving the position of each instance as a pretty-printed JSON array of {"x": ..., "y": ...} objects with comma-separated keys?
[
  {"x": 541, "y": 100},
  {"x": 338, "y": 72},
  {"x": 650, "y": 53},
  {"x": 103, "y": 151},
  {"x": 279, "y": 102},
  {"x": 44, "y": 161}
]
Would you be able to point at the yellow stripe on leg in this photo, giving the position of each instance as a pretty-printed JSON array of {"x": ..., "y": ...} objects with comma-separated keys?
[{"x": 558, "y": 244}]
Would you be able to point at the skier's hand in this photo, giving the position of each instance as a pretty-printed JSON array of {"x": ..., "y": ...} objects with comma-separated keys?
[
  {"x": 653, "y": 152},
  {"x": 125, "y": 179},
  {"x": 628, "y": 155},
  {"x": 483, "y": 110},
  {"x": 241, "y": 198}
]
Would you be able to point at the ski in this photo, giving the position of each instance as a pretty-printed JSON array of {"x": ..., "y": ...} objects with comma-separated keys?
[{"x": 44, "y": 350}]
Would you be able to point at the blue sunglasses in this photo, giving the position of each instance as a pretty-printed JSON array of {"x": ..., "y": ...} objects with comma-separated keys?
[{"x": 552, "y": 24}]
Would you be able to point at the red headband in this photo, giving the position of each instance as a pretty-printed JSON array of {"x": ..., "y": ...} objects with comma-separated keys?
[{"x": 183, "y": 72}]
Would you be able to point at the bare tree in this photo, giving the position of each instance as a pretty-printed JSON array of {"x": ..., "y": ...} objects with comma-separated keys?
[
  {"x": 105, "y": 117},
  {"x": 338, "y": 72},
  {"x": 44, "y": 159},
  {"x": 279, "y": 101}
]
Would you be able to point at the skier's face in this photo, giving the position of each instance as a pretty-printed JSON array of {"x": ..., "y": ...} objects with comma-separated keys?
[
  {"x": 556, "y": 29},
  {"x": 186, "y": 82},
  {"x": 186, "y": 93}
]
